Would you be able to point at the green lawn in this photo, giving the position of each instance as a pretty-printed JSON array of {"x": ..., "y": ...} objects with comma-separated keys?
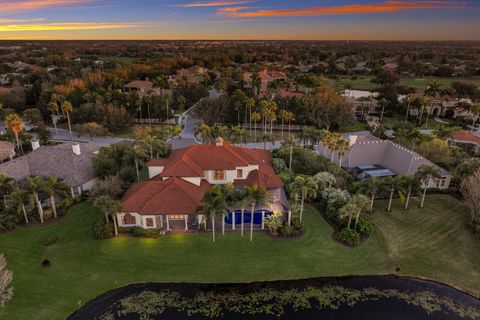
[
  {"x": 364, "y": 83},
  {"x": 433, "y": 242}
]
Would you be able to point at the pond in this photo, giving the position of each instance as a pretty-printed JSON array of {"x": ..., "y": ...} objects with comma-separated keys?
[{"x": 363, "y": 297}]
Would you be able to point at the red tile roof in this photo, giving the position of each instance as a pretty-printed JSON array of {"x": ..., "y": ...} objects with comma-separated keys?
[
  {"x": 172, "y": 196},
  {"x": 6, "y": 145},
  {"x": 466, "y": 136},
  {"x": 194, "y": 160}
]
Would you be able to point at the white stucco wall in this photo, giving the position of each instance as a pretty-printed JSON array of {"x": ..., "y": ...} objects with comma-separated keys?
[
  {"x": 230, "y": 175},
  {"x": 138, "y": 219},
  {"x": 154, "y": 171},
  {"x": 193, "y": 180}
]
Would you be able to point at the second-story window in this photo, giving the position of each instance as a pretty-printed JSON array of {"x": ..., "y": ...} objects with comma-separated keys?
[
  {"x": 239, "y": 173},
  {"x": 218, "y": 175}
]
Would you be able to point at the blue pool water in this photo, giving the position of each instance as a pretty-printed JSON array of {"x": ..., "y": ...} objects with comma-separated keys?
[{"x": 247, "y": 217}]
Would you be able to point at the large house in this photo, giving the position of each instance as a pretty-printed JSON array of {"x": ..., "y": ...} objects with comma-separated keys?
[
  {"x": 266, "y": 77},
  {"x": 71, "y": 163},
  {"x": 144, "y": 87},
  {"x": 171, "y": 198},
  {"x": 369, "y": 157}
]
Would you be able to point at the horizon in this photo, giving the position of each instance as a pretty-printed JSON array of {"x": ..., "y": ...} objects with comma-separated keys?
[{"x": 237, "y": 20}]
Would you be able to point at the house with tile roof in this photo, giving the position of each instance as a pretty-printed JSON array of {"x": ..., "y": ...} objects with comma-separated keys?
[
  {"x": 71, "y": 163},
  {"x": 466, "y": 138},
  {"x": 170, "y": 199}
]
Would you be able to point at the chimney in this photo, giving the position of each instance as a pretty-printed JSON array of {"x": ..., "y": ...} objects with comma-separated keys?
[
  {"x": 352, "y": 140},
  {"x": 76, "y": 149},
  {"x": 219, "y": 142},
  {"x": 35, "y": 145}
]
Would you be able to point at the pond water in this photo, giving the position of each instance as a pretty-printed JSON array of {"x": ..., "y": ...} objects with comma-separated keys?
[{"x": 389, "y": 297}]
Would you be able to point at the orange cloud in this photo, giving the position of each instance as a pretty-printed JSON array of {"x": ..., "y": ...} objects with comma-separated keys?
[
  {"x": 23, "y": 5},
  {"x": 386, "y": 6},
  {"x": 214, "y": 3},
  {"x": 66, "y": 26}
]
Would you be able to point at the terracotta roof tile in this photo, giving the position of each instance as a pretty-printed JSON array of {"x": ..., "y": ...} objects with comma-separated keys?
[{"x": 466, "y": 136}]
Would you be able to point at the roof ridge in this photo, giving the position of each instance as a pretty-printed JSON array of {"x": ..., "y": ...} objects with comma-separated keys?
[{"x": 167, "y": 183}]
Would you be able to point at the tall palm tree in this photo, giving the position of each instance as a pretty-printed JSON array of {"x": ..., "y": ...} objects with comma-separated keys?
[
  {"x": 34, "y": 186},
  {"x": 347, "y": 212},
  {"x": 283, "y": 116},
  {"x": 474, "y": 109},
  {"x": 214, "y": 204},
  {"x": 342, "y": 147},
  {"x": 138, "y": 105},
  {"x": 361, "y": 203},
  {"x": 406, "y": 185},
  {"x": 15, "y": 123},
  {"x": 256, "y": 196},
  {"x": 433, "y": 89},
  {"x": 267, "y": 137},
  {"x": 147, "y": 99},
  {"x": 372, "y": 187},
  {"x": 54, "y": 187},
  {"x": 426, "y": 174},
  {"x": 67, "y": 108},
  {"x": 140, "y": 155},
  {"x": 383, "y": 103},
  {"x": 305, "y": 187},
  {"x": 256, "y": 117},
  {"x": 17, "y": 200},
  {"x": 7, "y": 186},
  {"x": 250, "y": 104},
  {"x": 109, "y": 207},
  {"x": 392, "y": 184},
  {"x": 52, "y": 106}
]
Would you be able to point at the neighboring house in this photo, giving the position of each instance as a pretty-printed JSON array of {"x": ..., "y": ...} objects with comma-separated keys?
[
  {"x": 266, "y": 77},
  {"x": 172, "y": 197},
  {"x": 372, "y": 157},
  {"x": 466, "y": 138},
  {"x": 143, "y": 87},
  {"x": 71, "y": 163},
  {"x": 7, "y": 150},
  {"x": 193, "y": 74}
]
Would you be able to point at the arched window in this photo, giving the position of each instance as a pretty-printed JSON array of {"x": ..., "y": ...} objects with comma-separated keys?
[{"x": 129, "y": 219}]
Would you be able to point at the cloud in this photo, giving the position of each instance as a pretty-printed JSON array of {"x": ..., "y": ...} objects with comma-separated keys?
[
  {"x": 25, "y": 5},
  {"x": 62, "y": 26},
  {"x": 214, "y": 3},
  {"x": 347, "y": 9},
  {"x": 3, "y": 21}
]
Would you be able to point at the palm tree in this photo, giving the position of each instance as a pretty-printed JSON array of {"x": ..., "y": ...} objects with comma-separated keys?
[
  {"x": 361, "y": 203},
  {"x": 54, "y": 187},
  {"x": 34, "y": 186},
  {"x": 306, "y": 187},
  {"x": 68, "y": 108},
  {"x": 347, "y": 212},
  {"x": 249, "y": 104},
  {"x": 139, "y": 154},
  {"x": 148, "y": 101},
  {"x": 256, "y": 196},
  {"x": 406, "y": 185},
  {"x": 474, "y": 109},
  {"x": 426, "y": 174},
  {"x": 324, "y": 180},
  {"x": 284, "y": 114},
  {"x": 7, "y": 186},
  {"x": 433, "y": 89},
  {"x": 15, "y": 123},
  {"x": 383, "y": 103},
  {"x": 204, "y": 131},
  {"x": 17, "y": 201},
  {"x": 342, "y": 147},
  {"x": 267, "y": 137},
  {"x": 138, "y": 105},
  {"x": 409, "y": 99},
  {"x": 392, "y": 184},
  {"x": 372, "y": 187},
  {"x": 52, "y": 106},
  {"x": 256, "y": 117},
  {"x": 110, "y": 208},
  {"x": 214, "y": 204}
]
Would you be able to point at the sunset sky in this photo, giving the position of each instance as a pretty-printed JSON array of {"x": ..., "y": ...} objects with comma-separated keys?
[{"x": 241, "y": 19}]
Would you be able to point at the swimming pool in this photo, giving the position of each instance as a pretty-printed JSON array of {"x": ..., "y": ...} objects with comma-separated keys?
[{"x": 257, "y": 216}]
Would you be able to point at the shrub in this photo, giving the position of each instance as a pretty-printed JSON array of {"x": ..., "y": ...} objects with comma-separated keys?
[
  {"x": 145, "y": 233},
  {"x": 102, "y": 230},
  {"x": 349, "y": 237},
  {"x": 49, "y": 240},
  {"x": 365, "y": 227}
]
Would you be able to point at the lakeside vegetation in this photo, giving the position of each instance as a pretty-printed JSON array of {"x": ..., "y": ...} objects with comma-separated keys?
[{"x": 83, "y": 268}]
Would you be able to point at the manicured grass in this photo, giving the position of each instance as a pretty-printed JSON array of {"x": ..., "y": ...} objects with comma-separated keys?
[
  {"x": 433, "y": 242},
  {"x": 364, "y": 83}
]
